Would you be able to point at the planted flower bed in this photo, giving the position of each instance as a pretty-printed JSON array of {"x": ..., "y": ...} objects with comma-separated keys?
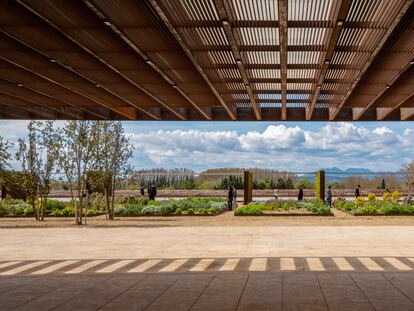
[
  {"x": 54, "y": 208},
  {"x": 126, "y": 206},
  {"x": 189, "y": 206},
  {"x": 389, "y": 204},
  {"x": 284, "y": 208}
]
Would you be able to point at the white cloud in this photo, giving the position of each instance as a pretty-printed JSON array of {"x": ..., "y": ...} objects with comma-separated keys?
[
  {"x": 295, "y": 148},
  {"x": 282, "y": 147}
]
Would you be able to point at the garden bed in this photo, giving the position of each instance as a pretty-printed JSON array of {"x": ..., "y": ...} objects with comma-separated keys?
[
  {"x": 285, "y": 208},
  {"x": 388, "y": 205},
  {"x": 139, "y": 207}
]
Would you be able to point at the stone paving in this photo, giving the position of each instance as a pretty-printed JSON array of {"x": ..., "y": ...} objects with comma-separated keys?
[{"x": 207, "y": 268}]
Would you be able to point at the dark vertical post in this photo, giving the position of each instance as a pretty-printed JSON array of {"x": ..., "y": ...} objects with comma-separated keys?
[
  {"x": 248, "y": 187},
  {"x": 320, "y": 185}
]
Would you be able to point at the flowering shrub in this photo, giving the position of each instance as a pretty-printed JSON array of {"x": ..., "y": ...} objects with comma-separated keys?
[
  {"x": 359, "y": 201},
  {"x": 389, "y": 205},
  {"x": 386, "y": 197},
  {"x": 396, "y": 195},
  {"x": 371, "y": 197}
]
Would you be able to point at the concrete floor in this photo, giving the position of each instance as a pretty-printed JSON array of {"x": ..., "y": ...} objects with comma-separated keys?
[{"x": 208, "y": 268}]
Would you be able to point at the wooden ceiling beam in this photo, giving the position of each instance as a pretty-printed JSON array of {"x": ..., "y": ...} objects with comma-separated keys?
[
  {"x": 58, "y": 111},
  {"x": 17, "y": 113},
  {"x": 333, "y": 40},
  {"x": 79, "y": 113},
  {"x": 387, "y": 88},
  {"x": 374, "y": 53},
  {"x": 9, "y": 59},
  {"x": 221, "y": 10},
  {"x": 142, "y": 55},
  {"x": 283, "y": 34},
  {"x": 69, "y": 68},
  {"x": 173, "y": 31},
  {"x": 398, "y": 106}
]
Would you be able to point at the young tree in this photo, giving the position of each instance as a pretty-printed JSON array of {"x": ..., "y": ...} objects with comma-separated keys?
[
  {"x": 5, "y": 156},
  {"x": 38, "y": 162},
  {"x": 74, "y": 149},
  {"x": 111, "y": 159},
  {"x": 409, "y": 175}
]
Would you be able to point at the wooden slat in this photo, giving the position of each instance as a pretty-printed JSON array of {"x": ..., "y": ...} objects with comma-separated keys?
[
  {"x": 340, "y": 19},
  {"x": 283, "y": 33},
  {"x": 174, "y": 32},
  {"x": 372, "y": 56},
  {"x": 221, "y": 10}
]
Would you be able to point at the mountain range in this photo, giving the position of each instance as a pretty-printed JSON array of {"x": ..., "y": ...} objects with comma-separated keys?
[{"x": 336, "y": 174}]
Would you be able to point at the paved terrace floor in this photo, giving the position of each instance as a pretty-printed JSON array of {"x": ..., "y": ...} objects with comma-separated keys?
[{"x": 249, "y": 264}]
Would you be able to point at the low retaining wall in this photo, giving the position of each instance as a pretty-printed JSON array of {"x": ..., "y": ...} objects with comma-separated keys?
[{"x": 223, "y": 193}]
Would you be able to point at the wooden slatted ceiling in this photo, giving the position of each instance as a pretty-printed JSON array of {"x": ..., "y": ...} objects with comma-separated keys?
[{"x": 207, "y": 59}]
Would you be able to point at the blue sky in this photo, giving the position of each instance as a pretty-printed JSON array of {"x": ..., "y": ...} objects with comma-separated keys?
[{"x": 295, "y": 146}]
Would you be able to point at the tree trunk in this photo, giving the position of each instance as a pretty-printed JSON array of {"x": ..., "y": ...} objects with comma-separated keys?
[
  {"x": 112, "y": 200},
  {"x": 106, "y": 204},
  {"x": 34, "y": 208}
]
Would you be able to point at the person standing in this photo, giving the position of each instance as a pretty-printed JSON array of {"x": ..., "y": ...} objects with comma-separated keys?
[
  {"x": 152, "y": 192},
  {"x": 300, "y": 194},
  {"x": 230, "y": 196},
  {"x": 234, "y": 197},
  {"x": 329, "y": 197},
  {"x": 276, "y": 193},
  {"x": 142, "y": 190},
  {"x": 357, "y": 192}
]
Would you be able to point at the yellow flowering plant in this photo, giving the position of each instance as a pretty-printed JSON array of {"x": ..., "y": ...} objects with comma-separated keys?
[
  {"x": 359, "y": 201},
  {"x": 371, "y": 197},
  {"x": 386, "y": 196}
]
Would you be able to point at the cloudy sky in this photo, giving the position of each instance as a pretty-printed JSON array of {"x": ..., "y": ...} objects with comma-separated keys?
[{"x": 291, "y": 146}]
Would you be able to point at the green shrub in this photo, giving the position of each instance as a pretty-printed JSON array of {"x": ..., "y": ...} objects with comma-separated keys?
[
  {"x": 202, "y": 211},
  {"x": 134, "y": 210},
  {"x": 93, "y": 212},
  {"x": 219, "y": 206},
  {"x": 68, "y": 211},
  {"x": 18, "y": 209},
  {"x": 28, "y": 211},
  {"x": 3, "y": 210},
  {"x": 190, "y": 211},
  {"x": 248, "y": 210},
  {"x": 178, "y": 211},
  {"x": 51, "y": 205},
  {"x": 166, "y": 209},
  {"x": 150, "y": 209},
  {"x": 212, "y": 210},
  {"x": 121, "y": 210},
  {"x": 56, "y": 212},
  {"x": 366, "y": 209},
  {"x": 136, "y": 200}
]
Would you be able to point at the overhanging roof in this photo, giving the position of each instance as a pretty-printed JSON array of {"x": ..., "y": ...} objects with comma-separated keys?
[{"x": 293, "y": 60}]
